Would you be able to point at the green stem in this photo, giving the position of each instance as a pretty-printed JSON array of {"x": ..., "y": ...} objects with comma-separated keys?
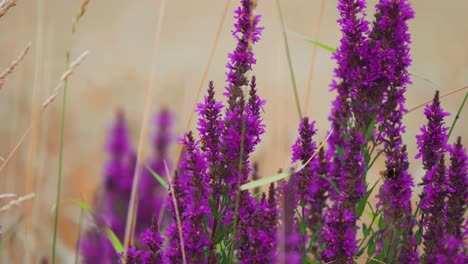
[
  {"x": 458, "y": 115},
  {"x": 288, "y": 55},
  {"x": 59, "y": 178}
]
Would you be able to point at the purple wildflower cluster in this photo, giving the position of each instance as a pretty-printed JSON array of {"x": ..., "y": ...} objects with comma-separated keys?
[
  {"x": 112, "y": 203},
  {"x": 314, "y": 215}
]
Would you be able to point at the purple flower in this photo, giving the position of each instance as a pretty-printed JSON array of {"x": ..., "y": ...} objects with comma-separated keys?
[
  {"x": 339, "y": 231},
  {"x": 153, "y": 241},
  {"x": 96, "y": 248},
  {"x": 432, "y": 141},
  {"x": 134, "y": 256},
  {"x": 389, "y": 45},
  {"x": 291, "y": 240},
  {"x": 151, "y": 193},
  {"x": 350, "y": 57},
  {"x": 258, "y": 230},
  {"x": 433, "y": 207},
  {"x": 451, "y": 252},
  {"x": 247, "y": 33},
  {"x": 457, "y": 189},
  {"x": 173, "y": 251},
  {"x": 339, "y": 235},
  {"x": 196, "y": 195},
  {"x": 312, "y": 188},
  {"x": 210, "y": 126},
  {"x": 432, "y": 145},
  {"x": 112, "y": 204}
]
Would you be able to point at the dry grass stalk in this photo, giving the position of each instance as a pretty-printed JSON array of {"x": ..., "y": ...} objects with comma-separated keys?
[
  {"x": 314, "y": 56},
  {"x": 13, "y": 65},
  {"x": 6, "y": 5},
  {"x": 133, "y": 204},
  {"x": 442, "y": 96},
  {"x": 16, "y": 202},
  {"x": 177, "y": 215},
  {"x": 47, "y": 102}
]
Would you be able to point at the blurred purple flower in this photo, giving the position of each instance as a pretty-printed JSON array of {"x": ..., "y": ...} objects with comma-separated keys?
[
  {"x": 151, "y": 193},
  {"x": 457, "y": 202}
]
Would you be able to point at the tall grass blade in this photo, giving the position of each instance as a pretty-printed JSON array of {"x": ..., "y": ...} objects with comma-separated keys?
[
  {"x": 288, "y": 55},
  {"x": 458, "y": 115}
]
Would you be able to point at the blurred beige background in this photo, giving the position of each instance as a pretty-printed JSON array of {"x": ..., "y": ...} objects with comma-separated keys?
[{"x": 119, "y": 36}]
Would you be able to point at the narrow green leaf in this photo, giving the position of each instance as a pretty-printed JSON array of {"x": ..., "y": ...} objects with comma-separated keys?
[
  {"x": 458, "y": 115},
  {"x": 362, "y": 204},
  {"x": 369, "y": 130},
  {"x": 158, "y": 178},
  {"x": 118, "y": 247},
  {"x": 365, "y": 230},
  {"x": 314, "y": 42},
  {"x": 372, "y": 247}
]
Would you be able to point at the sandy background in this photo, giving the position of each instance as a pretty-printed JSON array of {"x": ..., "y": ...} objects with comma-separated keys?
[{"x": 119, "y": 35}]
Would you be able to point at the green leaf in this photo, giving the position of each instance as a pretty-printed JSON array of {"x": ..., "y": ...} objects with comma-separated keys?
[
  {"x": 369, "y": 130},
  {"x": 458, "y": 115},
  {"x": 380, "y": 223},
  {"x": 264, "y": 181},
  {"x": 118, "y": 247},
  {"x": 365, "y": 229},
  {"x": 316, "y": 43},
  {"x": 372, "y": 247},
  {"x": 158, "y": 178},
  {"x": 362, "y": 204}
]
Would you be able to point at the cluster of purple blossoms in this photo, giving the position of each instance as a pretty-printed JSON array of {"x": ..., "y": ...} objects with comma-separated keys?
[
  {"x": 112, "y": 204},
  {"x": 432, "y": 146},
  {"x": 211, "y": 220}
]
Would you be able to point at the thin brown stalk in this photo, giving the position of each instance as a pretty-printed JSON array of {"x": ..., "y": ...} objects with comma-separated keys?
[
  {"x": 314, "y": 56},
  {"x": 177, "y": 215},
  {"x": 133, "y": 205},
  {"x": 13, "y": 65},
  {"x": 442, "y": 96},
  {"x": 5, "y": 6},
  {"x": 45, "y": 104},
  {"x": 214, "y": 45}
]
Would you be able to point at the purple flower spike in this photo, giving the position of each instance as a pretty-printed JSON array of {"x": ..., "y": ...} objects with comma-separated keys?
[
  {"x": 210, "y": 127},
  {"x": 451, "y": 252},
  {"x": 151, "y": 192},
  {"x": 432, "y": 141},
  {"x": 96, "y": 248},
  {"x": 350, "y": 57},
  {"x": 303, "y": 150},
  {"x": 389, "y": 41},
  {"x": 432, "y": 145},
  {"x": 339, "y": 235},
  {"x": 312, "y": 188},
  {"x": 153, "y": 242},
  {"x": 292, "y": 240},
  {"x": 258, "y": 233},
  {"x": 196, "y": 195},
  {"x": 458, "y": 189},
  {"x": 434, "y": 209},
  {"x": 112, "y": 204},
  {"x": 247, "y": 33}
]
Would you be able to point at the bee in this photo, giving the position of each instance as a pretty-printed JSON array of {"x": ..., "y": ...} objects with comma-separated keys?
[{"x": 390, "y": 173}]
